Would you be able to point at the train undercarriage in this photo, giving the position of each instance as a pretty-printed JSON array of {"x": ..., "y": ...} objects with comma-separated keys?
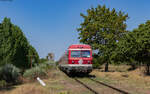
[{"x": 75, "y": 69}]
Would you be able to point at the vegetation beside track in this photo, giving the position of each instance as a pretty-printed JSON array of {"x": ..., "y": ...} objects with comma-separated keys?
[
  {"x": 133, "y": 81},
  {"x": 59, "y": 83},
  {"x": 56, "y": 83}
]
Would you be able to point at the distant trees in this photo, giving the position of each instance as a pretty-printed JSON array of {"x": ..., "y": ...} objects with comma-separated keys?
[
  {"x": 102, "y": 28},
  {"x": 135, "y": 46},
  {"x": 14, "y": 46}
]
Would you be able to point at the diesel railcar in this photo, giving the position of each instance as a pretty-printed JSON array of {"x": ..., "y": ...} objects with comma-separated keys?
[{"x": 77, "y": 59}]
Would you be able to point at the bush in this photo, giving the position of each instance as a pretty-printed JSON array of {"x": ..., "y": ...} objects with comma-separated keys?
[
  {"x": 47, "y": 65},
  {"x": 3, "y": 83},
  {"x": 34, "y": 73},
  {"x": 39, "y": 70},
  {"x": 9, "y": 73},
  {"x": 98, "y": 61}
]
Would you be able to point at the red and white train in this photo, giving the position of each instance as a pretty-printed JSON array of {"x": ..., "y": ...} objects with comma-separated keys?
[{"x": 77, "y": 59}]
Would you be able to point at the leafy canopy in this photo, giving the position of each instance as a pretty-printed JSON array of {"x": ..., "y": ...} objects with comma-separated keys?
[
  {"x": 14, "y": 46},
  {"x": 102, "y": 28},
  {"x": 135, "y": 45}
]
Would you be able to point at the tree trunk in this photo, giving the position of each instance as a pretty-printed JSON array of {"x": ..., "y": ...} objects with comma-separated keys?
[
  {"x": 147, "y": 69},
  {"x": 133, "y": 66},
  {"x": 106, "y": 67}
]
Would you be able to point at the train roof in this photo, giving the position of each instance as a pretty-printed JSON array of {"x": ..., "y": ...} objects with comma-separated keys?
[{"x": 77, "y": 46}]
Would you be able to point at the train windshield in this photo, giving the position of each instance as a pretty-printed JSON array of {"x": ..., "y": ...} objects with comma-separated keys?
[
  {"x": 82, "y": 53},
  {"x": 85, "y": 53}
]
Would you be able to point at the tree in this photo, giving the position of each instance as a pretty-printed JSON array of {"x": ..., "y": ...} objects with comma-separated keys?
[
  {"x": 101, "y": 29},
  {"x": 42, "y": 60},
  {"x": 33, "y": 55},
  {"x": 135, "y": 45},
  {"x": 126, "y": 49},
  {"x": 14, "y": 46}
]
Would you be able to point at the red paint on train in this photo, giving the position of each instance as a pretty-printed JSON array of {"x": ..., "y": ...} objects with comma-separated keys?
[
  {"x": 77, "y": 59},
  {"x": 79, "y": 52}
]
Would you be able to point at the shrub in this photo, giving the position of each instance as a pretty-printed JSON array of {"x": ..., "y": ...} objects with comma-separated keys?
[
  {"x": 46, "y": 66},
  {"x": 98, "y": 61},
  {"x": 9, "y": 73},
  {"x": 39, "y": 70},
  {"x": 95, "y": 63},
  {"x": 3, "y": 83},
  {"x": 34, "y": 72}
]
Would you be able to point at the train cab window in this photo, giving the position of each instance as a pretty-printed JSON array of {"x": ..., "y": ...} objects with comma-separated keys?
[
  {"x": 85, "y": 53},
  {"x": 75, "y": 53}
]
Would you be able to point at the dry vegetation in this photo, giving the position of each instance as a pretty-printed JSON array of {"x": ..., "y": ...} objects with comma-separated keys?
[
  {"x": 58, "y": 83},
  {"x": 134, "y": 82}
]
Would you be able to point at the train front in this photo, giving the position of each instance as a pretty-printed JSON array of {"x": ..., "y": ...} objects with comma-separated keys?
[{"x": 80, "y": 58}]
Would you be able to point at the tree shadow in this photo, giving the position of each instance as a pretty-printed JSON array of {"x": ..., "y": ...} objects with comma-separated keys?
[
  {"x": 132, "y": 68},
  {"x": 8, "y": 88}
]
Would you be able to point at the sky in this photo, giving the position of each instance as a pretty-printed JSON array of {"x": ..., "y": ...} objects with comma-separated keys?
[{"x": 51, "y": 25}]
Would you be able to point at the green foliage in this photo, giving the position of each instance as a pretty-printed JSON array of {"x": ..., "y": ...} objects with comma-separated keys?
[
  {"x": 14, "y": 46},
  {"x": 102, "y": 28},
  {"x": 98, "y": 61},
  {"x": 135, "y": 46},
  {"x": 34, "y": 72},
  {"x": 57, "y": 62},
  {"x": 38, "y": 71},
  {"x": 9, "y": 73},
  {"x": 33, "y": 53},
  {"x": 42, "y": 60},
  {"x": 3, "y": 83},
  {"x": 46, "y": 65}
]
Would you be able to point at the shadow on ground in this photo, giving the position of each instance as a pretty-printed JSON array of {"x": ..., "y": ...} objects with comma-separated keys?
[{"x": 7, "y": 88}]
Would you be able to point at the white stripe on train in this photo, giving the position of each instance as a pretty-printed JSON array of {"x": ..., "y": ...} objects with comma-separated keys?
[
  {"x": 79, "y": 49},
  {"x": 78, "y": 65}
]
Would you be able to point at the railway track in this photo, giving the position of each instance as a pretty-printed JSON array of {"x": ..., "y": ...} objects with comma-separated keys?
[
  {"x": 116, "y": 89},
  {"x": 94, "y": 91}
]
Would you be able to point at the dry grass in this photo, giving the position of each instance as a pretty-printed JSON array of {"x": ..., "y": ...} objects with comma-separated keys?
[
  {"x": 58, "y": 83},
  {"x": 27, "y": 89},
  {"x": 132, "y": 81},
  {"x": 62, "y": 84}
]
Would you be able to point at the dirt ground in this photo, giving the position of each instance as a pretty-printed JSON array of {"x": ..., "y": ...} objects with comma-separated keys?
[
  {"x": 133, "y": 82},
  {"x": 58, "y": 83}
]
